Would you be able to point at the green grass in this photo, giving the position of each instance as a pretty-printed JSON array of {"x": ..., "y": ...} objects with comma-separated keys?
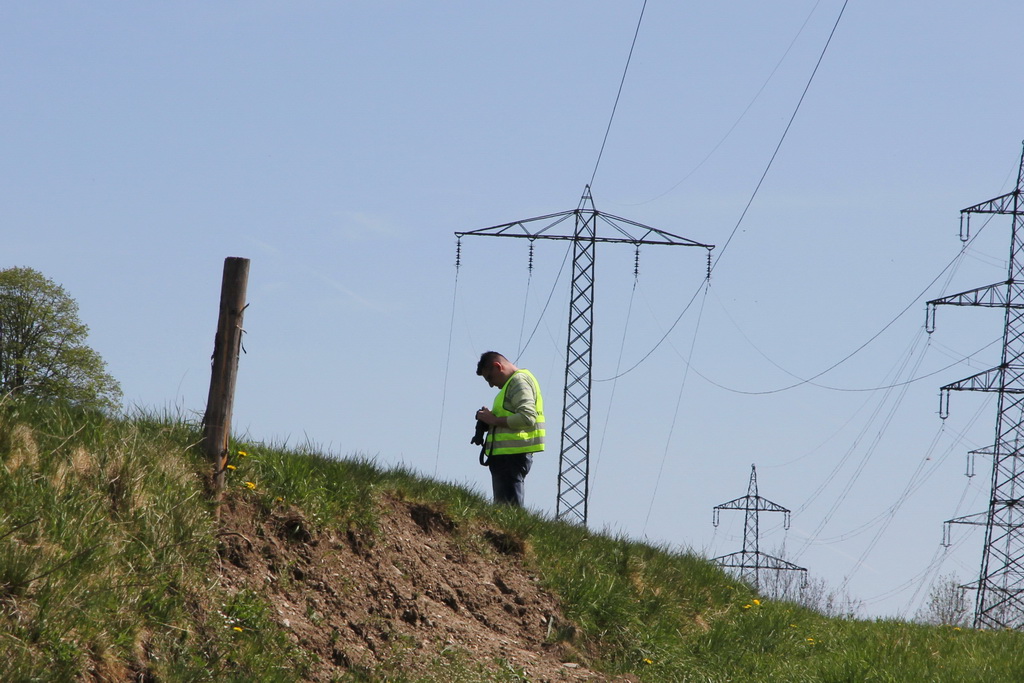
[{"x": 107, "y": 544}]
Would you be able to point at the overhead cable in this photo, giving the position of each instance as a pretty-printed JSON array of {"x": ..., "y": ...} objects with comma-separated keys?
[
  {"x": 618, "y": 94},
  {"x": 752, "y": 196}
]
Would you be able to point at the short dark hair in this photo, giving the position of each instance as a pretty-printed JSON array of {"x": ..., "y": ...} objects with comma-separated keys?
[{"x": 486, "y": 359}]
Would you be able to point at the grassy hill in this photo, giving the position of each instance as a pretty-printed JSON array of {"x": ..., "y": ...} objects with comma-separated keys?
[{"x": 114, "y": 567}]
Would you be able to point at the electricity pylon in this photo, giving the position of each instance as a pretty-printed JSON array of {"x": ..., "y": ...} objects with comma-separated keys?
[
  {"x": 999, "y": 602},
  {"x": 750, "y": 561},
  {"x": 574, "y": 457}
]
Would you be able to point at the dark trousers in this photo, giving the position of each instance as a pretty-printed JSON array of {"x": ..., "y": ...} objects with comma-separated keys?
[{"x": 508, "y": 473}]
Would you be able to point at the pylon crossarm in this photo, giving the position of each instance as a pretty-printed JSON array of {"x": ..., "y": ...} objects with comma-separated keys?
[
  {"x": 993, "y": 379},
  {"x": 977, "y": 519},
  {"x": 523, "y": 229},
  {"x": 1004, "y": 205},
  {"x": 779, "y": 564},
  {"x": 728, "y": 560},
  {"x": 735, "y": 504},
  {"x": 760, "y": 561},
  {"x": 768, "y": 506},
  {"x": 994, "y": 296},
  {"x": 756, "y": 503},
  {"x": 1005, "y": 447},
  {"x": 520, "y": 229},
  {"x": 649, "y": 235}
]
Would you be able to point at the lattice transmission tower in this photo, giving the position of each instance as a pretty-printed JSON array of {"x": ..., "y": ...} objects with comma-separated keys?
[
  {"x": 999, "y": 602},
  {"x": 750, "y": 561},
  {"x": 583, "y": 223}
]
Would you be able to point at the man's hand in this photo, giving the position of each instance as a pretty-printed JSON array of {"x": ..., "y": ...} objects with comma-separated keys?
[{"x": 487, "y": 417}]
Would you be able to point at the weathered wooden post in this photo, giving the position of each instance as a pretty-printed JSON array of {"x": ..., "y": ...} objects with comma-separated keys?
[{"x": 226, "y": 347}]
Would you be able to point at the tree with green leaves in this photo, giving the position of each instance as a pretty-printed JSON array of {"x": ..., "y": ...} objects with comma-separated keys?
[{"x": 43, "y": 353}]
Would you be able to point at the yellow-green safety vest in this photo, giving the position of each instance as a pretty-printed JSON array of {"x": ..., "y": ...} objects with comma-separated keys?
[{"x": 505, "y": 441}]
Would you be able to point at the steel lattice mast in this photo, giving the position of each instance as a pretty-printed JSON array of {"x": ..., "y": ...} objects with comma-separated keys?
[
  {"x": 574, "y": 456},
  {"x": 1000, "y": 587},
  {"x": 750, "y": 561}
]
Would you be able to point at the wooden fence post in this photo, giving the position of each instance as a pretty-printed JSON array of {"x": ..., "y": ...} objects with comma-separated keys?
[{"x": 226, "y": 348}]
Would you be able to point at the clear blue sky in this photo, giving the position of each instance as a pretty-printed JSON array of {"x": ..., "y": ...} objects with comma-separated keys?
[{"x": 339, "y": 145}]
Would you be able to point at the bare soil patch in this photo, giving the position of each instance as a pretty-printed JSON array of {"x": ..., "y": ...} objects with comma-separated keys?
[{"x": 416, "y": 595}]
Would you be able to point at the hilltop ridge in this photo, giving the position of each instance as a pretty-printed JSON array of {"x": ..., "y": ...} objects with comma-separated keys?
[{"x": 114, "y": 566}]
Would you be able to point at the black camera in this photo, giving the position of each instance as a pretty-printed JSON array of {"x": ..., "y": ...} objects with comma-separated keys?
[{"x": 481, "y": 432}]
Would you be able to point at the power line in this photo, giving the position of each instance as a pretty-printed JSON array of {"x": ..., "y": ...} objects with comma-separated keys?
[
  {"x": 901, "y": 499},
  {"x": 949, "y": 269},
  {"x": 611, "y": 397},
  {"x": 745, "y": 110},
  {"x": 447, "y": 364},
  {"x": 618, "y": 94},
  {"x": 750, "y": 201},
  {"x": 782, "y": 139},
  {"x": 675, "y": 416},
  {"x": 547, "y": 303},
  {"x": 860, "y": 465}
]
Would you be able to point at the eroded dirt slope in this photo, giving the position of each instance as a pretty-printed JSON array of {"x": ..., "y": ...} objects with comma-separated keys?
[{"x": 418, "y": 595}]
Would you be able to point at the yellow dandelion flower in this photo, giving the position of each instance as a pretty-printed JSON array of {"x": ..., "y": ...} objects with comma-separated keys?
[
  {"x": 648, "y": 661},
  {"x": 242, "y": 453},
  {"x": 810, "y": 640},
  {"x": 232, "y": 467},
  {"x": 746, "y": 606},
  {"x": 757, "y": 602},
  {"x": 237, "y": 628},
  {"x": 956, "y": 628},
  {"x": 251, "y": 485}
]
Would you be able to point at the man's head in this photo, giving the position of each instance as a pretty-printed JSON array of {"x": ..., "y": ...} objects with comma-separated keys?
[{"x": 495, "y": 368}]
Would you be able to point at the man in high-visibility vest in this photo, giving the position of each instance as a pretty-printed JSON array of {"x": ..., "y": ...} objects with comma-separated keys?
[{"x": 516, "y": 426}]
